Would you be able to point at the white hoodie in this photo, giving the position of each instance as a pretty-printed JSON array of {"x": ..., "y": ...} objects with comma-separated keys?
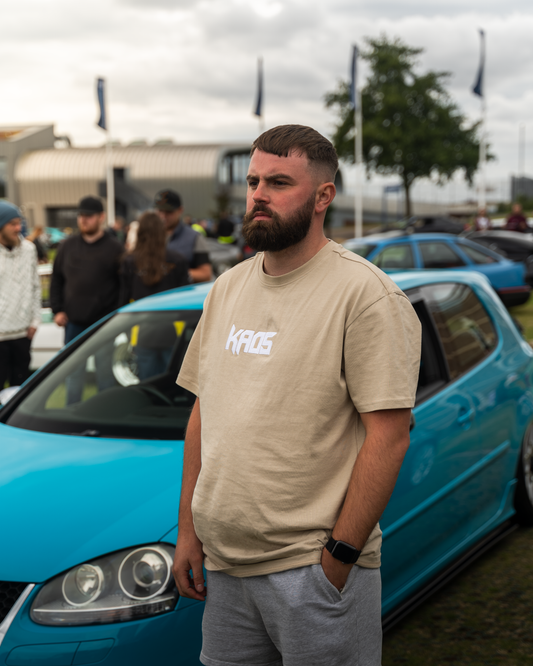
[{"x": 20, "y": 290}]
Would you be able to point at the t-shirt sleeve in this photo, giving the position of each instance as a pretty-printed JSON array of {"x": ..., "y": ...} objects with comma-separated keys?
[
  {"x": 188, "y": 376},
  {"x": 382, "y": 355}
]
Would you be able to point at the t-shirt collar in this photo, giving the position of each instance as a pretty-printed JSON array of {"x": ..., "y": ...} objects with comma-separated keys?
[{"x": 287, "y": 278}]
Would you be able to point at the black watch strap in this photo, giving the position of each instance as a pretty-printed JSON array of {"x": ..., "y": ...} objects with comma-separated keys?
[{"x": 343, "y": 551}]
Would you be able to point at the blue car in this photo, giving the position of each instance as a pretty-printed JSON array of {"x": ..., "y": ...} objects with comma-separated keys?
[
  {"x": 91, "y": 457},
  {"x": 397, "y": 251}
]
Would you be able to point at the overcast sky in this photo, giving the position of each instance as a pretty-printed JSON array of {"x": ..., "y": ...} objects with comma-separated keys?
[{"x": 186, "y": 69}]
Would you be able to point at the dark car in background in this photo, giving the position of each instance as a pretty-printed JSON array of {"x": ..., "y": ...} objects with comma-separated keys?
[
  {"x": 426, "y": 224},
  {"x": 514, "y": 245}
]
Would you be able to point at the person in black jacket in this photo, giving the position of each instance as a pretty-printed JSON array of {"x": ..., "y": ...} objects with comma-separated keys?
[
  {"x": 85, "y": 286},
  {"x": 149, "y": 269},
  {"x": 85, "y": 278}
]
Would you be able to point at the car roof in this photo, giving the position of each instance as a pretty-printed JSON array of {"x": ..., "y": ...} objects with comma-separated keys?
[
  {"x": 400, "y": 235},
  {"x": 193, "y": 297},
  {"x": 184, "y": 298}
]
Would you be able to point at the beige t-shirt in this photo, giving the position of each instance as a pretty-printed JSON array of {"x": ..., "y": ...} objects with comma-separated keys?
[{"x": 283, "y": 366}]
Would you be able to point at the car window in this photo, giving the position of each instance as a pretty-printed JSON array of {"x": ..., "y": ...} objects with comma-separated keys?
[
  {"x": 439, "y": 255},
  {"x": 362, "y": 249},
  {"x": 432, "y": 375},
  {"x": 119, "y": 382},
  {"x": 477, "y": 256},
  {"x": 464, "y": 326},
  {"x": 395, "y": 256}
]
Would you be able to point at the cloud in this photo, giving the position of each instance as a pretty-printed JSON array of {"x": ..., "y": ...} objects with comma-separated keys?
[{"x": 187, "y": 68}]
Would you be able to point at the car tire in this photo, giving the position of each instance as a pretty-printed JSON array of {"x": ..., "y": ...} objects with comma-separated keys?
[{"x": 523, "y": 499}]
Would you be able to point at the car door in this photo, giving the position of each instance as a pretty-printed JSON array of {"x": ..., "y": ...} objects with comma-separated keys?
[{"x": 440, "y": 497}]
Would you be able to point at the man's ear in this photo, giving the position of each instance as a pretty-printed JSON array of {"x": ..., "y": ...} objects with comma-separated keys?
[{"x": 324, "y": 196}]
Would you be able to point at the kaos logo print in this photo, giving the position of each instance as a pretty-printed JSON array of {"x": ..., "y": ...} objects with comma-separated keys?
[{"x": 249, "y": 342}]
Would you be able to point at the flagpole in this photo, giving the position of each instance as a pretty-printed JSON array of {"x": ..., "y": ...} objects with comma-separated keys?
[
  {"x": 482, "y": 157},
  {"x": 355, "y": 101},
  {"x": 259, "y": 101},
  {"x": 110, "y": 182},
  {"x": 103, "y": 123},
  {"x": 478, "y": 89},
  {"x": 359, "y": 167}
]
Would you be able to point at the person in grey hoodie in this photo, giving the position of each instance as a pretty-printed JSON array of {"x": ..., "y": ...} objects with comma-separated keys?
[{"x": 20, "y": 297}]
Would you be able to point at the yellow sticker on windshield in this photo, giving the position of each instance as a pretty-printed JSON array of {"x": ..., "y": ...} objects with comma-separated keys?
[
  {"x": 179, "y": 326},
  {"x": 134, "y": 335}
]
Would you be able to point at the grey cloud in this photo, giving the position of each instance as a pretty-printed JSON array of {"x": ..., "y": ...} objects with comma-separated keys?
[
  {"x": 161, "y": 4},
  {"x": 393, "y": 9}
]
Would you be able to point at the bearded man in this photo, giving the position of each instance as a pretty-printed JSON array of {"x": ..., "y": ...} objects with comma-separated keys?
[
  {"x": 20, "y": 297},
  {"x": 305, "y": 366},
  {"x": 85, "y": 285},
  {"x": 85, "y": 277}
]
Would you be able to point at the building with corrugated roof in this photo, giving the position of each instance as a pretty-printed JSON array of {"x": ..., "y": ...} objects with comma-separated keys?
[
  {"x": 51, "y": 182},
  {"x": 47, "y": 177}
]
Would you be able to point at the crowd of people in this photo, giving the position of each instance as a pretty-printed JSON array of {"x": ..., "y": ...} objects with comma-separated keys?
[{"x": 94, "y": 271}]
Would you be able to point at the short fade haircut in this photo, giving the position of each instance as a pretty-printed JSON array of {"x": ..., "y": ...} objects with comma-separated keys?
[{"x": 301, "y": 140}]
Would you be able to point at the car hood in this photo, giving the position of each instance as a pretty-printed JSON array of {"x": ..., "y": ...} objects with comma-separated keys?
[{"x": 67, "y": 499}]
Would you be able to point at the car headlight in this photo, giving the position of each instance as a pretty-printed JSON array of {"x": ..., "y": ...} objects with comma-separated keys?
[{"x": 127, "y": 585}]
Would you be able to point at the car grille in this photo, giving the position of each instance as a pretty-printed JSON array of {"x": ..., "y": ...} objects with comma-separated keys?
[{"x": 9, "y": 593}]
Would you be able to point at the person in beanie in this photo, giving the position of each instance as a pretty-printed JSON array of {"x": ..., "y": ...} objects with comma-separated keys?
[
  {"x": 183, "y": 239},
  {"x": 20, "y": 297},
  {"x": 85, "y": 279}
]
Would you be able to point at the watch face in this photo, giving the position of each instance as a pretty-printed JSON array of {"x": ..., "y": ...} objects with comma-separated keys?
[{"x": 344, "y": 552}]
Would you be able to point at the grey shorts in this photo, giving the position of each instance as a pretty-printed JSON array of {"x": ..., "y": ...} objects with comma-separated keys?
[{"x": 292, "y": 618}]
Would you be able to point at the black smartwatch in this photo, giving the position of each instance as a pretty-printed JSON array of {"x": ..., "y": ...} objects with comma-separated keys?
[{"x": 343, "y": 551}]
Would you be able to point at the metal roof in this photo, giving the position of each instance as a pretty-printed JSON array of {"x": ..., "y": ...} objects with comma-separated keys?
[{"x": 143, "y": 162}]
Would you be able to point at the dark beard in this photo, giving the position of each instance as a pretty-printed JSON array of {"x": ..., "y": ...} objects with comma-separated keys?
[{"x": 278, "y": 233}]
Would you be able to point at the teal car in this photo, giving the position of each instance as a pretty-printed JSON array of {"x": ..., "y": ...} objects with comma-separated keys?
[
  {"x": 398, "y": 251},
  {"x": 90, "y": 471}
]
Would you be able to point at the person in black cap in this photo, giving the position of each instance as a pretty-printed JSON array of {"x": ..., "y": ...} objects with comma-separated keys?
[
  {"x": 183, "y": 239},
  {"x": 85, "y": 278}
]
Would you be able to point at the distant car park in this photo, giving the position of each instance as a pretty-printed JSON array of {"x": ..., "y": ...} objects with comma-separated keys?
[{"x": 397, "y": 251}]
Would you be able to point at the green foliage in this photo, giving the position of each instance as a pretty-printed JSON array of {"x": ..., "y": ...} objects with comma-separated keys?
[
  {"x": 505, "y": 207},
  {"x": 527, "y": 202},
  {"x": 411, "y": 126}
]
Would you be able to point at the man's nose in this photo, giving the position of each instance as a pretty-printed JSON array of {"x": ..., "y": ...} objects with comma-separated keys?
[{"x": 260, "y": 193}]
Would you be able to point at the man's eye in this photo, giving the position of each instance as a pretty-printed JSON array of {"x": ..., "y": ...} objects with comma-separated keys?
[{"x": 279, "y": 182}]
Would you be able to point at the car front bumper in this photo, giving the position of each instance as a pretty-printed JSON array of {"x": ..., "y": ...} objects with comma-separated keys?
[{"x": 174, "y": 637}]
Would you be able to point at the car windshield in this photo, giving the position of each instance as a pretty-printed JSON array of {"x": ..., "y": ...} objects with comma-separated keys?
[{"x": 119, "y": 382}]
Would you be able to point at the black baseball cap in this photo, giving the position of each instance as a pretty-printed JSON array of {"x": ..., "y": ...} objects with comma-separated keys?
[
  {"x": 90, "y": 206},
  {"x": 167, "y": 200}
]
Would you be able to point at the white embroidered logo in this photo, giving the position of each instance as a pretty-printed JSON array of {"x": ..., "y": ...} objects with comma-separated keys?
[{"x": 254, "y": 343}]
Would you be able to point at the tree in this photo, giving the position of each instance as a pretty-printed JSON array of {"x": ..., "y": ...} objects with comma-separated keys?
[{"x": 411, "y": 126}]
